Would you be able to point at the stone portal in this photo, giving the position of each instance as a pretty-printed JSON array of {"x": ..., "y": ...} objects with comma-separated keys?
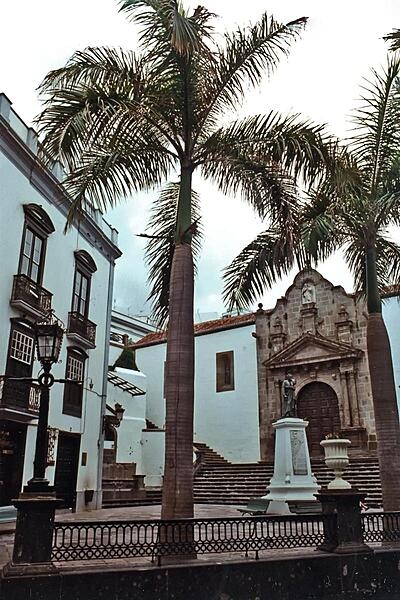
[{"x": 317, "y": 333}]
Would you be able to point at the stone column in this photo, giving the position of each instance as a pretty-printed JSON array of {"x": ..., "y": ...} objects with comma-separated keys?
[
  {"x": 345, "y": 416},
  {"x": 353, "y": 397}
]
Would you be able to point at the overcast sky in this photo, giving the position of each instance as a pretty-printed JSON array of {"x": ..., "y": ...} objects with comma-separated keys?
[{"x": 321, "y": 79}]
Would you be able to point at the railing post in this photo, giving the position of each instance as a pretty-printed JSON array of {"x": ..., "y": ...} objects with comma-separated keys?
[
  {"x": 345, "y": 505},
  {"x": 33, "y": 541}
]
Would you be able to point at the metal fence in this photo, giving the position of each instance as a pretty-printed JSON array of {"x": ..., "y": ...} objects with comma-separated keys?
[
  {"x": 126, "y": 539},
  {"x": 381, "y": 527}
]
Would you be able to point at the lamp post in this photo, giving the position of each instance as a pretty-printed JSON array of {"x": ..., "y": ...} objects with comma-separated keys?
[
  {"x": 48, "y": 338},
  {"x": 37, "y": 503}
]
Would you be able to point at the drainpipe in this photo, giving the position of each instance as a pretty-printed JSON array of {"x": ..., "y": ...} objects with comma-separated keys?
[{"x": 100, "y": 442}]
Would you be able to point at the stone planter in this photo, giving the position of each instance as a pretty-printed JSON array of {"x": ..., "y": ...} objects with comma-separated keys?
[{"x": 337, "y": 459}]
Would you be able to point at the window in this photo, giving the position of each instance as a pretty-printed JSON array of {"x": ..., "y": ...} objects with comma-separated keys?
[
  {"x": 32, "y": 257},
  {"x": 21, "y": 350},
  {"x": 225, "y": 371},
  {"x": 80, "y": 300},
  {"x": 73, "y": 389},
  {"x": 38, "y": 227},
  {"x": 84, "y": 268}
]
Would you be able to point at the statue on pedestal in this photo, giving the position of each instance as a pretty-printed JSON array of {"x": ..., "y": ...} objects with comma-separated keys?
[{"x": 289, "y": 397}]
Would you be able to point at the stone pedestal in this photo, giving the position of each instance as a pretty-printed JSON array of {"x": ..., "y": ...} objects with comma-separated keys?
[
  {"x": 292, "y": 479},
  {"x": 33, "y": 539},
  {"x": 347, "y": 536}
]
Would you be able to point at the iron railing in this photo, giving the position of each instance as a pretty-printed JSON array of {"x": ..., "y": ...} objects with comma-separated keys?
[
  {"x": 153, "y": 539},
  {"x": 28, "y": 293},
  {"x": 81, "y": 326},
  {"x": 21, "y": 395},
  {"x": 381, "y": 527}
]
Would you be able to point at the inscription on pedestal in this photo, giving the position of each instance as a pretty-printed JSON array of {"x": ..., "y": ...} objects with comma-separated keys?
[{"x": 298, "y": 448}]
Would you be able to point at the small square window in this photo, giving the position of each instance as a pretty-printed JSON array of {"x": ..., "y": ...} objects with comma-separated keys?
[{"x": 225, "y": 371}]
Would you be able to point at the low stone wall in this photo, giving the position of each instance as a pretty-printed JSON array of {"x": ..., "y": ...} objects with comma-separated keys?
[{"x": 374, "y": 576}]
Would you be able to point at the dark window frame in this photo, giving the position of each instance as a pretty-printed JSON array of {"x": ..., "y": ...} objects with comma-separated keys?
[
  {"x": 225, "y": 371},
  {"x": 41, "y": 226},
  {"x": 15, "y": 367},
  {"x": 85, "y": 267},
  {"x": 80, "y": 299},
  {"x": 73, "y": 392}
]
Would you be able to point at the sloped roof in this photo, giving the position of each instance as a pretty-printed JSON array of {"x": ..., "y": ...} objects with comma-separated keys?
[{"x": 200, "y": 329}]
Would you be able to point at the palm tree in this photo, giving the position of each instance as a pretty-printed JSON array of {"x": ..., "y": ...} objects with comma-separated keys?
[
  {"x": 355, "y": 217},
  {"x": 122, "y": 122}
]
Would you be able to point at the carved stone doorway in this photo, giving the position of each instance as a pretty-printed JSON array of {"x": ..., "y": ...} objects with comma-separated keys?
[{"x": 318, "y": 404}]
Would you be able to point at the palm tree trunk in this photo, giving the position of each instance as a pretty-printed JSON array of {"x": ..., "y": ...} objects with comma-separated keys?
[
  {"x": 383, "y": 392},
  {"x": 177, "y": 500}
]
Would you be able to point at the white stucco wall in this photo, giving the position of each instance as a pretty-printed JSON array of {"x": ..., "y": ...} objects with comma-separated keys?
[
  {"x": 16, "y": 190},
  {"x": 129, "y": 447},
  {"x": 153, "y": 442},
  {"x": 150, "y": 361},
  {"x": 226, "y": 421},
  {"x": 391, "y": 316}
]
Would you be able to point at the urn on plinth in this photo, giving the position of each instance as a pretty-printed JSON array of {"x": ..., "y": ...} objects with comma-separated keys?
[{"x": 337, "y": 460}]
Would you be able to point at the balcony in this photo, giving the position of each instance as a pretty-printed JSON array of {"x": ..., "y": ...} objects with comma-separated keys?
[
  {"x": 20, "y": 399},
  {"x": 81, "y": 330},
  {"x": 30, "y": 297}
]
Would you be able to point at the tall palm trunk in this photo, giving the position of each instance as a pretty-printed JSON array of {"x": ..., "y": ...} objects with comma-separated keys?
[
  {"x": 383, "y": 392},
  {"x": 177, "y": 501}
]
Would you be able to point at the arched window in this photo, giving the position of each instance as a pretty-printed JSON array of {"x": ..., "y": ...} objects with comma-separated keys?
[
  {"x": 84, "y": 268},
  {"x": 38, "y": 226}
]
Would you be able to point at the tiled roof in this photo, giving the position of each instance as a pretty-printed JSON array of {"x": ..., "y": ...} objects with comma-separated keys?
[{"x": 201, "y": 328}]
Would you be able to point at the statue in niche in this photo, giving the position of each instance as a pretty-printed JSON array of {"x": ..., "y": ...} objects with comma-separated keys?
[
  {"x": 308, "y": 293},
  {"x": 289, "y": 397}
]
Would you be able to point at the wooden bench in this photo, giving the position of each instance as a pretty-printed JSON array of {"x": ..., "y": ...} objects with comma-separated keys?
[
  {"x": 305, "y": 508},
  {"x": 255, "y": 506}
]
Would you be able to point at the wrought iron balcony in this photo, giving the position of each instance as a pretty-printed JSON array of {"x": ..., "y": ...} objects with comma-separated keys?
[
  {"x": 21, "y": 396},
  {"x": 30, "y": 296},
  {"x": 81, "y": 330}
]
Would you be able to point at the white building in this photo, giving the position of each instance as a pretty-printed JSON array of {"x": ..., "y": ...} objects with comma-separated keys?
[
  {"x": 41, "y": 268},
  {"x": 226, "y": 398}
]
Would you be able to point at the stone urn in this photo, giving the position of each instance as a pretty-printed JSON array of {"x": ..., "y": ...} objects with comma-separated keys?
[{"x": 337, "y": 460}]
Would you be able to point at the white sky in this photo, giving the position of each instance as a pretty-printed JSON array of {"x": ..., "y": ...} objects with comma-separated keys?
[{"x": 321, "y": 79}]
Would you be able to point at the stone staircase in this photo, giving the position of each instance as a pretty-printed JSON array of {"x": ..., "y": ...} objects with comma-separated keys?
[
  {"x": 216, "y": 483},
  {"x": 208, "y": 455}
]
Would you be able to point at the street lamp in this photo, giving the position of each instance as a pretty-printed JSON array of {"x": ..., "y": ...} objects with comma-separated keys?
[
  {"x": 48, "y": 338},
  {"x": 37, "y": 503}
]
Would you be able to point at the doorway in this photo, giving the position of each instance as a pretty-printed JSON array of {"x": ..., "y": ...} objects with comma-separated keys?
[
  {"x": 317, "y": 403},
  {"x": 67, "y": 467},
  {"x": 12, "y": 455}
]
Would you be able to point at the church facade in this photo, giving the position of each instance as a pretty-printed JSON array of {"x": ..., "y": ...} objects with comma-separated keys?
[{"x": 317, "y": 334}]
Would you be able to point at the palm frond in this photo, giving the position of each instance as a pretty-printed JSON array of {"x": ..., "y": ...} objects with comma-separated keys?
[
  {"x": 104, "y": 176},
  {"x": 300, "y": 148},
  {"x": 160, "y": 247},
  {"x": 245, "y": 57},
  {"x": 260, "y": 264},
  {"x": 264, "y": 186},
  {"x": 376, "y": 136},
  {"x": 165, "y": 25},
  {"x": 321, "y": 230},
  {"x": 393, "y": 37},
  {"x": 112, "y": 69}
]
